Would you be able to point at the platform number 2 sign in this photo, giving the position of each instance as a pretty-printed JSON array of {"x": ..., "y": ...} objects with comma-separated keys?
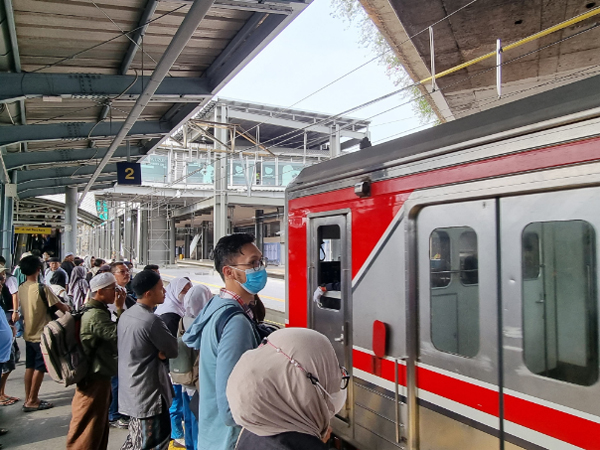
[{"x": 129, "y": 173}]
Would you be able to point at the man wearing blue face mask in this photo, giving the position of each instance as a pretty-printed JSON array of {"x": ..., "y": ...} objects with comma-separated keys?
[{"x": 223, "y": 332}]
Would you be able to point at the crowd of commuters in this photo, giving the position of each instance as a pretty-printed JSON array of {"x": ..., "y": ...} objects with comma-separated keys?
[{"x": 176, "y": 363}]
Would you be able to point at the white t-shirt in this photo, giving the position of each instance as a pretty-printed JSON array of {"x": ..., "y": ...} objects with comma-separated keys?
[{"x": 11, "y": 284}]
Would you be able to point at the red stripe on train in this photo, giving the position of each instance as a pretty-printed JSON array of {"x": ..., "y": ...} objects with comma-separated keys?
[{"x": 557, "y": 424}]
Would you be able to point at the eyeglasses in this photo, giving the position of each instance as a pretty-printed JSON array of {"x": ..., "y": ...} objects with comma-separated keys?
[
  {"x": 123, "y": 271},
  {"x": 314, "y": 380},
  {"x": 256, "y": 265}
]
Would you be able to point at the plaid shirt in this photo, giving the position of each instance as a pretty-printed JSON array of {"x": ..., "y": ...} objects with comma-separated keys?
[{"x": 224, "y": 293}]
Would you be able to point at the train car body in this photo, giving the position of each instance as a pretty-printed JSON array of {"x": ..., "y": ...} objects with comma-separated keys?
[{"x": 463, "y": 274}]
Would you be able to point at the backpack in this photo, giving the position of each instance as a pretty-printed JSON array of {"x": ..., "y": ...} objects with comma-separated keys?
[
  {"x": 61, "y": 347},
  {"x": 184, "y": 368},
  {"x": 262, "y": 329}
]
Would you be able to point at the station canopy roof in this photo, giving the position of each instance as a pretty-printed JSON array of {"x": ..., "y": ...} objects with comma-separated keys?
[
  {"x": 464, "y": 30},
  {"x": 72, "y": 71}
]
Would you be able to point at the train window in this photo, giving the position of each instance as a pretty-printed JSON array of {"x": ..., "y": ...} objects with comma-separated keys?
[
  {"x": 329, "y": 265},
  {"x": 454, "y": 291},
  {"x": 469, "y": 269},
  {"x": 439, "y": 258},
  {"x": 531, "y": 256},
  {"x": 560, "y": 316}
]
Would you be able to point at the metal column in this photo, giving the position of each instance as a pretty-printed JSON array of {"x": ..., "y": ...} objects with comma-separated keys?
[
  {"x": 7, "y": 224},
  {"x": 142, "y": 236},
  {"x": 70, "y": 235},
  {"x": 158, "y": 248},
  {"x": 220, "y": 220},
  {"x": 173, "y": 242},
  {"x": 258, "y": 228},
  {"x": 127, "y": 233}
]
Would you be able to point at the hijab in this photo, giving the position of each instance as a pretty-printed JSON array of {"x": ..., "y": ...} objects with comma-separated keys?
[
  {"x": 269, "y": 394},
  {"x": 78, "y": 286},
  {"x": 196, "y": 299},
  {"x": 172, "y": 303}
]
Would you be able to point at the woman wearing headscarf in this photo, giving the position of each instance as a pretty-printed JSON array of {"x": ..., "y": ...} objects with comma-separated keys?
[
  {"x": 285, "y": 393},
  {"x": 171, "y": 312},
  {"x": 78, "y": 287},
  {"x": 195, "y": 300}
]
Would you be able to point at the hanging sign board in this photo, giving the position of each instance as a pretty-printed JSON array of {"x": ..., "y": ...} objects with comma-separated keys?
[
  {"x": 129, "y": 173},
  {"x": 33, "y": 230}
]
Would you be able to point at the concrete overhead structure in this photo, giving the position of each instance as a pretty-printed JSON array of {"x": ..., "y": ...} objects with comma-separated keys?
[
  {"x": 85, "y": 89},
  {"x": 559, "y": 58}
]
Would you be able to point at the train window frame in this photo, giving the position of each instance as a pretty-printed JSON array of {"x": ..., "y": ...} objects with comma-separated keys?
[
  {"x": 461, "y": 338},
  {"x": 332, "y": 299},
  {"x": 532, "y": 256},
  {"x": 556, "y": 276}
]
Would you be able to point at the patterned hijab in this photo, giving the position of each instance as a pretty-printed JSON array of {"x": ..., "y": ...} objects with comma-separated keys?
[
  {"x": 269, "y": 394},
  {"x": 78, "y": 286}
]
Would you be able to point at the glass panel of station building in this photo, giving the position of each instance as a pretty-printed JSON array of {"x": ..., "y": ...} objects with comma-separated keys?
[
  {"x": 155, "y": 169},
  {"x": 201, "y": 170}
]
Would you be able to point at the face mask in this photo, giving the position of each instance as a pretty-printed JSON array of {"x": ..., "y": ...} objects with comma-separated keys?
[
  {"x": 255, "y": 280},
  {"x": 338, "y": 400}
]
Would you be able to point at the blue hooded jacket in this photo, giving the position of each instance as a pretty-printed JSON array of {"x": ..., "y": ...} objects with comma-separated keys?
[{"x": 216, "y": 427}]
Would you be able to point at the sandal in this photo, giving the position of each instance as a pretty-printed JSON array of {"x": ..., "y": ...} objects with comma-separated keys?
[
  {"x": 16, "y": 399},
  {"x": 3, "y": 431},
  {"x": 7, "y": 402},
  {"x": 43, "y": 405}
]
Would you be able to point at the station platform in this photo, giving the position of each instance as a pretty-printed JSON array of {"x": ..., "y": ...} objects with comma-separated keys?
[{"x": 272, "y": 271}]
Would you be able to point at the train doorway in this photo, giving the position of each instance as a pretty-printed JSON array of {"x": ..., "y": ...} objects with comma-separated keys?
[{"x": 330, "y": 267}]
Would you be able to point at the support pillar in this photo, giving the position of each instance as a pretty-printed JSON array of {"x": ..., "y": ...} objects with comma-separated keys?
[
  {"x": 142, "y": 236},
  {"x": 7, "y": 225},
  {"x": 158, "y": 248},
  {"x": 173, "y": 242},
  {"x": 220, "y": 220},
  {"x": 127, "y": 232},
  {"x": 70, "y": 235},
  {"x": 258, "y": 228}
]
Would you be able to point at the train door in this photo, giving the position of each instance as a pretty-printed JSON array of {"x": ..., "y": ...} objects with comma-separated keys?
[
  {"x": 550, "y": 245},
  {"x": 457, "y": 370},
  {"x": 329, "y": 266}
]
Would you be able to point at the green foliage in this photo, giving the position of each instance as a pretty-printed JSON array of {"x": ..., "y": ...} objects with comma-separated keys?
[{"x": 352, "y": 12}]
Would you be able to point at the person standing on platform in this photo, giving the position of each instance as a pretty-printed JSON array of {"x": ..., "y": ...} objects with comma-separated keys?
[
  {"x": 36, "y": 307},
  {"x": 171, "y": 312},
  {"x": 122, "y": 275},
  {"x": 55, "y": 274},
  {"x": 78, "y": 287},
  {"x": 242, "y": 268},
  {"x": 145, "y": 390},
  {"x": 89, "y": 422},
  {"x": 68, "y": 264}
]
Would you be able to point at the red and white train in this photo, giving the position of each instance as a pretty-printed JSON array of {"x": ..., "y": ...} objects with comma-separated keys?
[{"x": 463, "y": 274}]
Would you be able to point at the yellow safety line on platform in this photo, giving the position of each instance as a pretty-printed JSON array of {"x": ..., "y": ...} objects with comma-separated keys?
[
  {"x": 219, "y": 287},
  {"x": 531, "y": 38}
]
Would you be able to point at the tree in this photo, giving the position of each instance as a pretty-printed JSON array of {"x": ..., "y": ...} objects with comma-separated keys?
[{"x": 354, "y": 14}]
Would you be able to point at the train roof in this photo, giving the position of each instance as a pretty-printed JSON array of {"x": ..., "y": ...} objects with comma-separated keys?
[{"x": 572, "y": 98}]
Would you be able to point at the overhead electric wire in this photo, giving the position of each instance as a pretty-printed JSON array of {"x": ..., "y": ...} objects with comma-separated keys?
[
  {"x": 93, "y": 47},
  {"x": 409, "y": 39},
  {"x": 462, "y": 66}
]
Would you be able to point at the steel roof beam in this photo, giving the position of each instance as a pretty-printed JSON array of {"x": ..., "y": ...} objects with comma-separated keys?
[
  {"x": 76, "y": 130},
  {"x": 103, "y": 183},
  {"x": 294, "y": 124},
  {"x": 184, "y": 33},
  {"x": 64, "y": 155},
  {"x": 16, "y": 86},
  {"x": 136, "y": 37},
  {"x": 55, "y": 182},
  {"x": 277, "y": 7},
  {"x": 27, "y": 176}
]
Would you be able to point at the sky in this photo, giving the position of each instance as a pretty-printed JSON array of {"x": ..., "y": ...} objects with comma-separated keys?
[{"x": 315, "y": 49}]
